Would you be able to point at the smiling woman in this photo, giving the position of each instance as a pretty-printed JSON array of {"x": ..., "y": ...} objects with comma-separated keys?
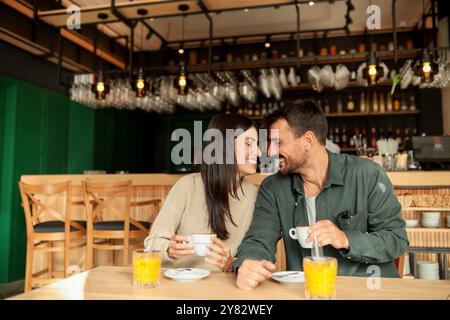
[{"x": 216, "y": 201}]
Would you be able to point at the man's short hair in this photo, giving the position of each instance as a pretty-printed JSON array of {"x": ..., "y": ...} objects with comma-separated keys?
[{"x": 302, "y": 116}]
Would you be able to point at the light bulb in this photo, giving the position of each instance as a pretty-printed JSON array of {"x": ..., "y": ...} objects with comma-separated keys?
[
  {"x": 140, "y": 84},
  {"x": 426, "y": 67},
  {"x": 311, "y": 3},
  {"x": 372, "y": 70},
  {"x": 267, "y": 45},
  {"x": 100, "y": 86},
  {"x": 181, "y": 51},
  {"x": 182, "y": 81}
]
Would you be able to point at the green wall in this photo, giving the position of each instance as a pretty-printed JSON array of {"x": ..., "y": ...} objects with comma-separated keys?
[{"x": 41, "y": 132}]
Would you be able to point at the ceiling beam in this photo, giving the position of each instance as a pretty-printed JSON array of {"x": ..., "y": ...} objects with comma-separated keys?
[{"x": 77, "y": 39}]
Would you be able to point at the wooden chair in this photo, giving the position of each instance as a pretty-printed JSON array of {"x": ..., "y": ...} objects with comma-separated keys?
[
  {"x": 102, "y": 234},
  {"x": 39, "y": 200},
  {"x": 400, "y": 264}
]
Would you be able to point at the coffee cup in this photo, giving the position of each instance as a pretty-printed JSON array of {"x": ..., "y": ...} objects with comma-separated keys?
[
  {"x": 199, "y": 242},
  {"x": 300, "y": 233}
]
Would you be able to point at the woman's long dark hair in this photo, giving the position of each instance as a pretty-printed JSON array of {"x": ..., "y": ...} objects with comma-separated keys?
[{"x": 220, "y": 180}]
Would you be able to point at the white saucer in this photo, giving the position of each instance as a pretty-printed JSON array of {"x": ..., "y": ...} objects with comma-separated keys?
[
  {"x": 289, "y": 277},
  {"x": 187, "y": 274}
]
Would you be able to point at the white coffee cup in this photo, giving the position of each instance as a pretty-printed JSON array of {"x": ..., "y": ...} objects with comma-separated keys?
[
  {"x": 200, "y": 242},
  {"x": 300, "y": 233}
]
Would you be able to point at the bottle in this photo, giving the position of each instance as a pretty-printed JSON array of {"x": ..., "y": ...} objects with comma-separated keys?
[
  {"x": 327, "y": 107},
  {"x": 227, "y": 109},
  {"x": 352, "y": 141},
  {"x": 373, "y": 138},
  {"x": 264, "y": 109},
  {"x": 240, "y": 110},
  {"x": 396, "y": 103},
  {"x": 364, "y": 137},
  {"x": 250, "y": 110},
  {"x": 257, "y": 112},
  {"x": 319, "y": 104},
  {"x": 382, "y": 105},
  {"x": 407, "y": 140},
  {"x": 344, "y": 137},
  {"x": 375, "y": 108},
  {"x": 412, "y": 105},
  {"x": 362, "y": 103},
  {"x": 398, "y": 137},
  {"x": 381, "y": 135},
  {"x": 390, "y": 133},
  {"x": 350, "y": 103},
  {"x": 389, "y": 106},
  {"x": 337, "y": 138},
  {"x": 403, "y": 105},
  {"x": 330, "y": 134},
  {"x": 339, "y": 105}
]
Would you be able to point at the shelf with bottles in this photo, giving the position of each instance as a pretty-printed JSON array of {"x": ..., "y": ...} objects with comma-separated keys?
[
  {"x": 376, "y": 103},
  {"x": 345, "y": 136}
]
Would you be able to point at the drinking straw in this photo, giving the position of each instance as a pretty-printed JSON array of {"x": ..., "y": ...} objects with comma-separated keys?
[{"x": 316, "y": 256}]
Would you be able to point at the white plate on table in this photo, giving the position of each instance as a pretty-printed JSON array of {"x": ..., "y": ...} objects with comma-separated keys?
[
  {"x": 187, "y": 274},
  {"x": 289, "y": 277}
]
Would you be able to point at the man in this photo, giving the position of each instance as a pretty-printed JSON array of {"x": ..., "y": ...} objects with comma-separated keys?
[{"x": 347, "y": 201}]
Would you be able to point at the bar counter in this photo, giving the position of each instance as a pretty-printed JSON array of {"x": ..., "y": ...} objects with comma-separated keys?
[{"x": 116, "y": 283}]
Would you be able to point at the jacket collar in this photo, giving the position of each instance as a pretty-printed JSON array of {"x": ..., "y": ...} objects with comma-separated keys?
[{"x": 336, "y": 170}]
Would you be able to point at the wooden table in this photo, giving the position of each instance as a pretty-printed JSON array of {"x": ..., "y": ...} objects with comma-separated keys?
[{"x": 116, "y": 283}]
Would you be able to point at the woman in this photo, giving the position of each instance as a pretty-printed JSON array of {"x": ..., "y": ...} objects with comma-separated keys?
[{"x": 218, "y": 200}]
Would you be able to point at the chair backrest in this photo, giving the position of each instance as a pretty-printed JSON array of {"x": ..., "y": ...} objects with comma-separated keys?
[
  {"x": 101, "y": 196},
  {"x": 41, "y": 199},
  {"x": 400, "y": 264}
]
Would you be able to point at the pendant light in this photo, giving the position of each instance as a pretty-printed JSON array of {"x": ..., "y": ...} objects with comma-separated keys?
[
  {"x": 427, "y": 68},
  {"x": 100, "y": 87},
  {"x": 373, "y": 72},
  {"x": 182, "y": 82},
  {"x": 139, "y": 85}
]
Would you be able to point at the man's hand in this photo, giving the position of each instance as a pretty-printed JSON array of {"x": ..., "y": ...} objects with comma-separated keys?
[
  {"x": 328, "y": 234},
  {"x": 252, "y": 272},
  {"x": 179, "y": 246}
]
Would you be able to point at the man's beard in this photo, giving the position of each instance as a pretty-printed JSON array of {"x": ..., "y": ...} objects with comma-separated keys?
[{"x": 292, "y": 165}]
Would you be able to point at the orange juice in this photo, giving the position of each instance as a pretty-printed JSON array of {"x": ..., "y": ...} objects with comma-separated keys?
[
  {"x": 320, "y": 277},
  {"x": 146, "y": 268}
]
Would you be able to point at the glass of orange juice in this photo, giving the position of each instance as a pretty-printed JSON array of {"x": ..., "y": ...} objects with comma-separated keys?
[
  {"x": 146, "y": 268},
  {"x": 320, "y": 277}
]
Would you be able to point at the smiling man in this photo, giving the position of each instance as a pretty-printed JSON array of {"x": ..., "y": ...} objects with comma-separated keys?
[{"x": 347, "y": 201}]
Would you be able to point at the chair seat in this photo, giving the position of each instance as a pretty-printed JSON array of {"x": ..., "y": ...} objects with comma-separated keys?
[
  {"x": 55, "y": 226},
  {"x": 118, "y": 225}
]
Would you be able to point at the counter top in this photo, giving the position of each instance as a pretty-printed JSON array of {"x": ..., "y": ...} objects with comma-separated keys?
[
  {"x": 116, "y": 283},
  {"x": 398, "y": 178}
]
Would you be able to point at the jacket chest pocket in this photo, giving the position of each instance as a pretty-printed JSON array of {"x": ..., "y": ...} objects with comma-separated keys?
[{"x": 349, "y": 220}]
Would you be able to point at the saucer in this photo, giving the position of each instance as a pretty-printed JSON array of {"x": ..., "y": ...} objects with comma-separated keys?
[
  {"x": 187, "y": 274},
  {"x": 289, "y": 277}
]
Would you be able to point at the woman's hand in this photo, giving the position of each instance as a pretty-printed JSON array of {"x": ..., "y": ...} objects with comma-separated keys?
[
  {"x": 179, "y": 247},
  {"x": 219, "y": 254}
]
